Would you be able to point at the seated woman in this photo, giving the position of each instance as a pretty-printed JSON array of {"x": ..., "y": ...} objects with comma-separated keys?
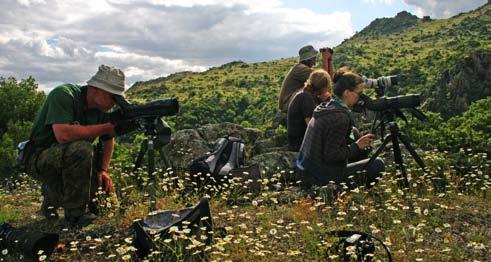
[
  {"x": 317, "y": 88},
  {"x": 325, "y": 150}
]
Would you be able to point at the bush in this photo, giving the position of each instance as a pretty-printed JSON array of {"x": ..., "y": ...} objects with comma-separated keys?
[
  {"x": 19, "y": 102},
  {"x": 459, "y": 138}
]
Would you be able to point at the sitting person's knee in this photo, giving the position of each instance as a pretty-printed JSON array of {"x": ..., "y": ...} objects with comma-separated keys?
[{"x": 378, "y": 165}]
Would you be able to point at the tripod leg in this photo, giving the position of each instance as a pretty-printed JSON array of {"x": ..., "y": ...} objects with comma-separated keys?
[
  {"x": 398, "y": 159},
  {"x": 386, "y": 140},
  {"x": 413, "y": 152},
  {"x": 141, "y": 154},
  {"x": 151, "y": 175}
]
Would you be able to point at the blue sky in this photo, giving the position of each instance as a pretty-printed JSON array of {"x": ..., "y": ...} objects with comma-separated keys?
[{"x": 59, "y": 41}]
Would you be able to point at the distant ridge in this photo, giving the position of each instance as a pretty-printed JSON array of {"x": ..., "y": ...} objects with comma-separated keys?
[{"x": 384, "y": 26}]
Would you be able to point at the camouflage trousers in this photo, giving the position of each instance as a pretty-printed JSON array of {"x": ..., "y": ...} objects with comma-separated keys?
[{"x": 66, "y": 173}]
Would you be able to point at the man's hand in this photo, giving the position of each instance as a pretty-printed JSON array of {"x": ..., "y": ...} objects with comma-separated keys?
[
  {"x": 105, "y": 181},
  {"x": 326, "y": 53},
  {"x": 365, "y": 141}
]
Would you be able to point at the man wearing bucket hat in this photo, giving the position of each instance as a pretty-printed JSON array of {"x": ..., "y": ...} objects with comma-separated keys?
[
  {"x": 63, "y": 131},
  {"x": 298, "y": 74}
]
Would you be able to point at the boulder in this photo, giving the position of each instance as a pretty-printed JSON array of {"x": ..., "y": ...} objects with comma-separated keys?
[
  {"x": 274, "y": 162},
  {"x": 185, "y": 146},
  {"x": 211, "y": 132}
]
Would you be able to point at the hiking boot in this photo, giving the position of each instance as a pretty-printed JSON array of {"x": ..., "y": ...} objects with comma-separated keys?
[
  {"x": 83, "y": 220},
  {"x": 49, "y": 211},
  {"x": 93, "y": 208}
]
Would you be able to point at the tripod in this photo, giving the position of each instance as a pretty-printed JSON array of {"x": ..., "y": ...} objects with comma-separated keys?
[
  {"x": 157, "y": 134},
  {"x": 394, "y": 135}
]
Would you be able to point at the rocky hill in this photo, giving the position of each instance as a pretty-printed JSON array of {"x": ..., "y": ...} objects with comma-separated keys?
[{"x": 385, "y": 26}]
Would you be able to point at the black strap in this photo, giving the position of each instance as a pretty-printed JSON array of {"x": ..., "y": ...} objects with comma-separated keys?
[{"x": 348, "y": 233}]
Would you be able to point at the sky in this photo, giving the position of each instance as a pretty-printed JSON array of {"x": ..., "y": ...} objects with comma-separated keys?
[{"x": 64, "y": 41}]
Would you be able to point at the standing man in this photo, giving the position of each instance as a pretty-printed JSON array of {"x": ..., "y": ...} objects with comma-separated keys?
[
  {"x": 69, "y": 120},
  {"x": 298, "y": 74}
]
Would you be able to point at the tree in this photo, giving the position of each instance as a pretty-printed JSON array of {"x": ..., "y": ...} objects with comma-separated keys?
[{"x": 19, "y": 102}]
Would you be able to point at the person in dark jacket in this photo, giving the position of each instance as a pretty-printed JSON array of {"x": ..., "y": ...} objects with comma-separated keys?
[
  {"x": 325, "y": 149},
  {"x": 317, "y": 89}
]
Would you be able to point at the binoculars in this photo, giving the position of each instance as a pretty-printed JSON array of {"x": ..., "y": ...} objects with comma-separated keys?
[{"x": 323, "y": 49}]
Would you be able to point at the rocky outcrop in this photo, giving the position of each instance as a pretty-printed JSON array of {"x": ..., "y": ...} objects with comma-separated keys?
[
  {"x": 269, "y": 152},
  {"x": 385, "y": 26},
  {"x": 468, "y": 81}
]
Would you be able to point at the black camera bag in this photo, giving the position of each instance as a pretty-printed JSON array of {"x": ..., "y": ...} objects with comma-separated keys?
[{"x": 160, "y": 222}]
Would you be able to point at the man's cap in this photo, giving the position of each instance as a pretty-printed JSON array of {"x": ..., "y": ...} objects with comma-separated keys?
[
  {"x": 109, "y": 79},
  {"x": 307, "y": 52}
]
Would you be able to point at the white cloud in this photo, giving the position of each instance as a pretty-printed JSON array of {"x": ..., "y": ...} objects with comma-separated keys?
[
  {"x": 65, "y": 41},
  {"x": 29, "y": 2},
  {"x": 443, "y": 8},
  {"x": 387, "y": 2}
]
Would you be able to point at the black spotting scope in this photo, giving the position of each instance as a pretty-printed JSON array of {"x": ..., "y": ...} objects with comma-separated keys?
[
  {"x": 157, "y": 108},
  {"x": 387, "y": 103}
]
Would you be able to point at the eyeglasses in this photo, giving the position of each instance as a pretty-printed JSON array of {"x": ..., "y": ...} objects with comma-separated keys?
[{"x": 357, "y": 93}]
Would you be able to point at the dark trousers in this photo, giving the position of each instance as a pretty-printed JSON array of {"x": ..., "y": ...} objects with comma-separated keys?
[
  {"x": 294, "y": 143},
  {"x": 355, "y": 174},
  {"x": 358, "y": 174},
  {"x": 66, "y": 173}
]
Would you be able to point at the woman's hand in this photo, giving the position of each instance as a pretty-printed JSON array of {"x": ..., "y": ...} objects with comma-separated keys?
[{"x": 365, "y": 141}]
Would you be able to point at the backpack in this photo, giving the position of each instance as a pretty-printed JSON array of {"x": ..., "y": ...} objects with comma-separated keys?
[{"x": 228, "y": 153}]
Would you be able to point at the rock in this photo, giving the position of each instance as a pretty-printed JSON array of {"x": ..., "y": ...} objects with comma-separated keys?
[
  {"x": 211, "y": 132},
  {"x": 270, "y": 144},
  {"x": 185, "y": 146},
  {"x": 468, "y": 81},
  {"x": 274, "y": 162}
]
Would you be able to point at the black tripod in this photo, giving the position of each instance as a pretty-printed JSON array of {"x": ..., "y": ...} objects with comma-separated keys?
[
  {"x": 387, "y": 118},
  {"x": 157, "y": 134}
]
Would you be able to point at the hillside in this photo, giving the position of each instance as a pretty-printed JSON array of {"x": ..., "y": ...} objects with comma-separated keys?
[
  {"x": 235, "y": 92},
  {"x": 447, "y": 60}
]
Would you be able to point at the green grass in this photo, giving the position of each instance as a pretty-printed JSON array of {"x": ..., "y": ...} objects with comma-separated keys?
[{"x": 420, "y": 223}]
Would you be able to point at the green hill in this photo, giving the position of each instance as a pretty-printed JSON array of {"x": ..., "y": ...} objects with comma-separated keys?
[{"x": 447, "y": 60}]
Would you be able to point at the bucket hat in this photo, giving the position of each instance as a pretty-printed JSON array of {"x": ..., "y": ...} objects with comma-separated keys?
[
  {"x": 307, "y": 52},
  {"x": 109, "y": 79}
]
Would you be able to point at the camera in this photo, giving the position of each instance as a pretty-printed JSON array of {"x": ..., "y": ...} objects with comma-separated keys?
[
  {"x": 357, "y": 246},
  {"x": 379, "y": 84},
  {"x": 27, "y": 242}
]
